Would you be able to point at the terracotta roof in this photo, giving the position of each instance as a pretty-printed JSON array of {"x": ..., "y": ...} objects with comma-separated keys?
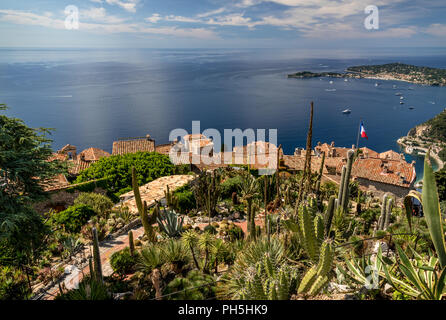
[
  {"x": 392, "y": 155},
  {"x": 393, "y": 172},
  {"x": 298, "y": 163},
  {"x": 369, "y": 152},
  {"x": 132, "y": 146},
  {"x": 58, "y": 156},
  {"x": 78, "y": 165},
  {"x": 58, "y": 182},
  {"x": 93, "y": 154},
  {"x": 332, "y": 151},
  {"x": 163, "y": 148}
]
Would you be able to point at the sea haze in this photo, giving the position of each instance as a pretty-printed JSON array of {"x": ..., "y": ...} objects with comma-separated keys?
[{"x": 92, "y": 97}]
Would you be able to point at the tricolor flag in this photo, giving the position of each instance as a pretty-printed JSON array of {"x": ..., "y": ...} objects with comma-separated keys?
[{"x": 362, "y": 130}]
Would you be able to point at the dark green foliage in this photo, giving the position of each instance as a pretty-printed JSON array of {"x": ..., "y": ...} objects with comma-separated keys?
[
  {"x": 185, "y": 198},
  {"x": 123, "y": 262},
  {"x": 229, "y": 186},
  {"x": 89, "y": 289},
  {"x": 210, "y": 228},
  {"x": 13, "y": 284},
  {"x": 98, "y": 202},
  {"x": 195, "y": 286},
  {"x": 149, "y": 166},
  {"x": 24, "y": 153},
  {"x": 75, "y": 217},
  {"x": 440, "y": 178},
  {"x": 437, "y": 125}
]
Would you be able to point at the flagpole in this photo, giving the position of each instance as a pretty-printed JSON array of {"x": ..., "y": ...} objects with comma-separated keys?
[{"x": 359, "y": 132}]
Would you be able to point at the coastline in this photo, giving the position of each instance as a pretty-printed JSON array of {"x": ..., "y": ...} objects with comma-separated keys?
[{"x": 407, "y": 141}]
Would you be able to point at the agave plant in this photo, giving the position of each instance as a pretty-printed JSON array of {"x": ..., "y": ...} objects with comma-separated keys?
[
  {"x": 425, "y": 278},
  {"x": 170, "y": 223}
]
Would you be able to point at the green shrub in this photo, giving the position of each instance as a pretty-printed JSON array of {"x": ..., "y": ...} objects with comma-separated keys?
[
  {"x": 75, "y": 217},
  {"x": 122, "y": 262},
  {"x": 229, "y": 186},
  {"x": 236, "y": 233},
  {"x": 13, "y": 284},
  {"x": 211, "y": 229},
  {"x": 149, "y": 166},
  {"x": 186, "y": 199},
  {"x": 98, "y": 202}
]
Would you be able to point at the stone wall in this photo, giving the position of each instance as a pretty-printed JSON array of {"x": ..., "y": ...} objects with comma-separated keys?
[{"x": 379, "y": 189}]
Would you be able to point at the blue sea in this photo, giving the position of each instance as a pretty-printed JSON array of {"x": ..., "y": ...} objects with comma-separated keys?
[{"x": 92, "y": 97}]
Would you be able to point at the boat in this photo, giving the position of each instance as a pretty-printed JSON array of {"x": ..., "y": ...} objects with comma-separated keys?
[
  {"x": 411, "y": 108},
  {"x": 401, "y": 98},
  {"x": 347, "y": 111},
  {"x": 419, "y": 184},
  {"x": 376, "y": 84},
  {"x": 401, "y": 102},
  {"x": 394, "y": 86},
  {"x": 398, "y": 94},
  {"x": 410, "y": 88},
  {"x": 331, "y": 82},
  {"x": 345, "y": 80},
  {"x": 330, "y": 90}
]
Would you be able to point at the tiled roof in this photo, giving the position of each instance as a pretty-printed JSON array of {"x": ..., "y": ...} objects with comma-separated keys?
[
  {"x": 163, "y": 148},
  {"x": 58, "y": 156},
  {"x": 369, "y": 152},
  {"x": 393, "y": 172},
  {"x": 392, "y": 155},
  {"x": 132, "y": 146},
  {"x": 78, "y": 165},
  {"x": 332, "y": 151},
  {"x": 93, "y": 154},
  {"x": 58, "y": 182},
  {"x": 298, "y": 163}
]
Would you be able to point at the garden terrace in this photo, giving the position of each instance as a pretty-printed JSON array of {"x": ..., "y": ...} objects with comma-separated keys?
[{"x": 154, "y": 191}]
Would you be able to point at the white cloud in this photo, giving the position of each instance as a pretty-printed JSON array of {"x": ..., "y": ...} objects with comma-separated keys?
[
  {"x": 437, "y": 29},
  {"x": 129, "y": 5},
  {"x": 99, "y": 15},
  {"x": 154, "y": 18},
  {"x": 28, "y": 18}
]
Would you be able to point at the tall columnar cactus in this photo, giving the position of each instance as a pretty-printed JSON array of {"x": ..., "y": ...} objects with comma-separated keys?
[
  {"x": 97, "y": 257},
  {"x": 171, "y": 199},
  {"x": 143, "y": 211},
  {"x": 382, "y": 218},
  {"x": 131, "y": 243},
  {"x": 319, "y": 275},
  {"x": 346, "y": 181},
  {"x": 388, "y": 213},
  {"x": 341, "y": 186},
  {"x": 329, "y": 215},
  {"x": 319, "y": 176}
]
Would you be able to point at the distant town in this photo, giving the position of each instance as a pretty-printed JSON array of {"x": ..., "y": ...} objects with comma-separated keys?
[{"x": 390, "y": 71}]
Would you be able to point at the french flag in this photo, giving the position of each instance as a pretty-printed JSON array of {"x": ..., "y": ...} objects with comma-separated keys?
[{"x": 363, "y": 133}]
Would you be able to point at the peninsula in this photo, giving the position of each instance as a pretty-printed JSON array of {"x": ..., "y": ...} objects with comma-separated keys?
[
  {"x": 431, "y": 134},
  {"x": 390, "y": 71}
]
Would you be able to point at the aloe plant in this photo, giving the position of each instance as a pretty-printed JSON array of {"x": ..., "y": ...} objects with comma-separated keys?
[{"x": 170, "y": 223}]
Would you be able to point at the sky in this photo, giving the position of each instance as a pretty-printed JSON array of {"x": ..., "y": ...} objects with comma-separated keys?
[{"x": 318, "y": 24}]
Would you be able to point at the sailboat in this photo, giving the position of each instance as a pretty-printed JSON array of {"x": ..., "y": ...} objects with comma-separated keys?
[{"x": 347, "y": 111}]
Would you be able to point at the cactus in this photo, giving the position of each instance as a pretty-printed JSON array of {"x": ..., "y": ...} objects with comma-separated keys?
[
  {"x": 388, "y": 213},
  {"x": 170, "y": 223},
  {"x": 142, "y": 209},
  {"x": 346, "y": 182},
  {"x": 171, "y": 199},
  {"x": 341, "y": 186},
  {"x": 234, "y": 198},
  {"x": 318, "y": 181},
  {"x": 207, "y": 191},
  {"x": 97, "y": 257},
  {"x": 329, "y": 215},
  {"x": 131, "y": 243},
  {"x": 310, "y": 231},
  {"x": 318, "y": 276},
  {"x": 90, "y": 267}
]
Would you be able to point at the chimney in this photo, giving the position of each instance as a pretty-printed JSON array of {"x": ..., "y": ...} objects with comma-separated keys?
[{"x": 332, "y": 144}]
